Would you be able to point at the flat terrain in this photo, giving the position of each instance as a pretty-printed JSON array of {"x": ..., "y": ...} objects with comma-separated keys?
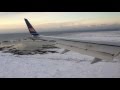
[{"x": 54, "y": 64}]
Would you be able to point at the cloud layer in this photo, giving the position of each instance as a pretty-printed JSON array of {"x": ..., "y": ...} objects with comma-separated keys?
[{"x": 48, "y": 21}]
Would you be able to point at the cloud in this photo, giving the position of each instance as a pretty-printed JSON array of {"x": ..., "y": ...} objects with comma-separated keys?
[{"x": 43, "y": 21}]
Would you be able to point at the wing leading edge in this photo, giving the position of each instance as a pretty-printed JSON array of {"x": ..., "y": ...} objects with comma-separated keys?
[{"x": 99, "y": 50}]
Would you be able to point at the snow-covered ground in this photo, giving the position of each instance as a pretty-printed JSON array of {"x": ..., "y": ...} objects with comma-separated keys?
[{"x": 56, "y": 65}]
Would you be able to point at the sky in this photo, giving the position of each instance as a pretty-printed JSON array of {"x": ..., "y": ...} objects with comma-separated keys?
[{"x": 14, "y": 21}]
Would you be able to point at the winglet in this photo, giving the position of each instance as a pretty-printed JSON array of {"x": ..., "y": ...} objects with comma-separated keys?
[{"x": 30, "y": 27}]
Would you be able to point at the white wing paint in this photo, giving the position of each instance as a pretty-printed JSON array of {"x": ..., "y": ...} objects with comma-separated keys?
[{"x": 99, "y": 50}]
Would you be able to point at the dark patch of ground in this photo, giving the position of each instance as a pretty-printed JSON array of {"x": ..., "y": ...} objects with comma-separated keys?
[{"x": 43, "y": 50}]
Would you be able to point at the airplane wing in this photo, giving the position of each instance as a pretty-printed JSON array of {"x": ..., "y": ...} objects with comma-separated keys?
[{"x": 99, "y": 50}]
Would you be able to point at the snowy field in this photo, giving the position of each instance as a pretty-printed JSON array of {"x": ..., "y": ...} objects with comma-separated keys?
[{"x": 56, "y": 65}]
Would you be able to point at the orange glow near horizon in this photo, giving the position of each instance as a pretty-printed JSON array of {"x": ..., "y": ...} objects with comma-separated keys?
[{"x": 15, "y": 20}]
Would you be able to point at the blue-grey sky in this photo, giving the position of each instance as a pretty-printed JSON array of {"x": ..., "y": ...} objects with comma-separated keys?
[{"x": 14, "y": 21}]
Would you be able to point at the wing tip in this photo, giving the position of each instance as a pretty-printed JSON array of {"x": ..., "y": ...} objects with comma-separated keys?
[{"x": 25, "y": 19}]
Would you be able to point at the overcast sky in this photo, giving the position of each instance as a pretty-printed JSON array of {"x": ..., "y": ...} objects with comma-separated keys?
[{"x": 14, "y": 21}]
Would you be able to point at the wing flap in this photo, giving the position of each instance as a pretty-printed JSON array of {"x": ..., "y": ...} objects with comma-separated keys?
[
  {"x": 97, "y": 54},
  {"x": 96, "y": 60},
  {"x": 90, "y": 46}
]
